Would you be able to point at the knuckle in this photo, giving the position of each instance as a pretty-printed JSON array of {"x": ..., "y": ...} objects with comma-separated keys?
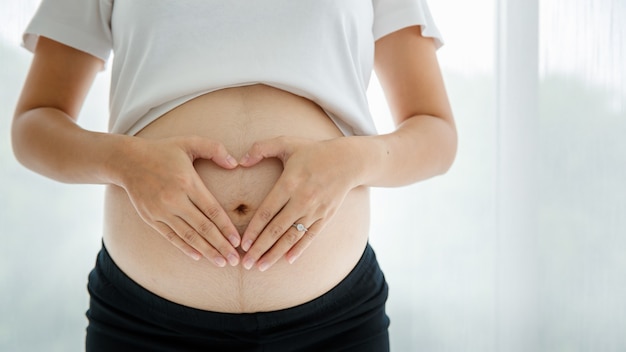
[
  {"x": 326, "y": 209},
  {"x": 168, "y": 198},
  {"x": 265, "y": 215},
  {"x": 224, "y": 249},
  {"x": 291, "y": 237},
  {"x": 309, "y": 197},
  {"x": 163, "y": 196},
  {"x": 310, "y": 235},
  {"x": 212, "y": 212},
  {"x": 189, "y": 235},
  {"x": 170, "y": 236},
  {"x": 275, "y": 231},
  {"x": 206, "y": 227},
  {"x": 183, "y": 181}
]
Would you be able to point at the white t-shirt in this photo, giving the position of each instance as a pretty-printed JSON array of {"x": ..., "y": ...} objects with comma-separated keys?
[{"x": 167, "y": 52}]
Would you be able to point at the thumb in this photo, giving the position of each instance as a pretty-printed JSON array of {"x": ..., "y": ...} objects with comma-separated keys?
[
  {"x": 203, "y": 148},
  {"x": 269, "y": 148}
]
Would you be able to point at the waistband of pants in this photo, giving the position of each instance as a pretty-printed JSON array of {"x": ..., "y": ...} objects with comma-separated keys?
[{"x": 364, "y": 286}]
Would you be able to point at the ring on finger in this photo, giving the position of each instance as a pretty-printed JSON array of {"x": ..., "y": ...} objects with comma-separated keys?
[{"x": 300, "y": 227}]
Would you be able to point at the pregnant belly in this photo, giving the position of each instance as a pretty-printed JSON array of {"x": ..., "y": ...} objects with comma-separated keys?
[{"x": 238, "y": 117}]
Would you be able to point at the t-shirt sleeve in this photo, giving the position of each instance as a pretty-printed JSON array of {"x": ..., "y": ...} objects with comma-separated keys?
[
  {"x": 81, "y": 24},
  {"x": 393, "y": 15}
]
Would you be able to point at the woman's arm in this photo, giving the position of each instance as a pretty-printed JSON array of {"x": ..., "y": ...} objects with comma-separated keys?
[
  {"x": 425, "y": 141},
  {"x": 318, "y": 175},
  {"x": 158, "y": 175},
  {"x": 45, "y": 136}
]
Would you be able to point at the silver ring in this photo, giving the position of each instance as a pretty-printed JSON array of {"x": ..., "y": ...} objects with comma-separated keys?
[{"x": 300, "y": 227}]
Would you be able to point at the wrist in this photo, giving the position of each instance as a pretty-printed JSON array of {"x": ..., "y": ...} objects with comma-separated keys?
[
  {"x": 119, "y": 150},
  {"x": 364, "y": 158}
]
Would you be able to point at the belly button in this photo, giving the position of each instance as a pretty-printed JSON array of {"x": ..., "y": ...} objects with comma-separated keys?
[{"x": 242, "y": 209}]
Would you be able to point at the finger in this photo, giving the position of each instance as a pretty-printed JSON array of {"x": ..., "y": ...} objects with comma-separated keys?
[
  {"x": 178, "y": 242},
  {"x": 269, "y": 148},
  {"x": 192, "y": 238},
  {"x": 273, "y": 232},
  {"x": 287, "y": 241},
  {"x": 198, "y": 147},
  {"x": 273, "y": 203},
  {"x": 307, "y": 238},
  {"x": 207, "y": 229},
  {"x": 213, "y": 211}
]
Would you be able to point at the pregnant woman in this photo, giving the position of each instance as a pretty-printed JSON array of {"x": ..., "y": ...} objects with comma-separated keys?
[{"x": 238, "y": 161}]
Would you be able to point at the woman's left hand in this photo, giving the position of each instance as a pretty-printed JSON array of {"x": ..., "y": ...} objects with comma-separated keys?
[{"x": 317, "y": 176}]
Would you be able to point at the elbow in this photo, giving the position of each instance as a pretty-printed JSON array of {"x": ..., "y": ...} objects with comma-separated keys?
[
  {"x": 451, "y": 152},
  {"x": 447, "y": 149},
  {"x": 25, "y": 140},
  {"x": 17, "y": 143},
  {"x": 447, "y": 162},
  {"x": 435, "y": 144}
]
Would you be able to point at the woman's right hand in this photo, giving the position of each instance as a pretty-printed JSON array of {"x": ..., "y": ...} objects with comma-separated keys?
[
  {"x": 167, "y": 192},
  {"x": 157, "y": 174}
]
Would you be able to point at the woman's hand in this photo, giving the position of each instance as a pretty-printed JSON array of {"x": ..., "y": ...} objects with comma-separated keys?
[
  {"x": 316, "y": 178},
  {"x": 167, "y": 192}
]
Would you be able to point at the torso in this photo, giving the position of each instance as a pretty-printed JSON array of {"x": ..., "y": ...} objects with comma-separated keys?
[{"x": 238, "y": 117}]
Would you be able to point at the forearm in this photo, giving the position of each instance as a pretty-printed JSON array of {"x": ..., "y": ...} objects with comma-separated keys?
[
  {"x": 50, "y": 143},
  {"x": 421, "y": 147}
]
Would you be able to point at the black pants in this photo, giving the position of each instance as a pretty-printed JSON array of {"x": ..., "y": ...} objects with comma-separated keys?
[{"x": 124, "y": 316}]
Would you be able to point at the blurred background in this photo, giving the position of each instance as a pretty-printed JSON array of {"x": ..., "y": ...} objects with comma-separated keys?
[{"x": 520, "y": 247}]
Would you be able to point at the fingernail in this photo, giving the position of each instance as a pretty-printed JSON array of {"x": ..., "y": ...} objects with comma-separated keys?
[
  {"x": 234, "y": 240},
  {"x": 221, "y": 262},
  {"x": 245, "y": 158},
  {"x": 195, "y": 256},
  {"x": 292, "y": 259},
  {"x": 231, "y": 161},
  {"x": 248, "y": 263},
  {"x": 233, "y": 259},
  {"x": 264, "y": 266},
  {"x": 246, "y": 245}
]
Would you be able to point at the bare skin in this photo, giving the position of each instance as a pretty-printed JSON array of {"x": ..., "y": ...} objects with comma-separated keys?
[{"x": 200, "y": 204}]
